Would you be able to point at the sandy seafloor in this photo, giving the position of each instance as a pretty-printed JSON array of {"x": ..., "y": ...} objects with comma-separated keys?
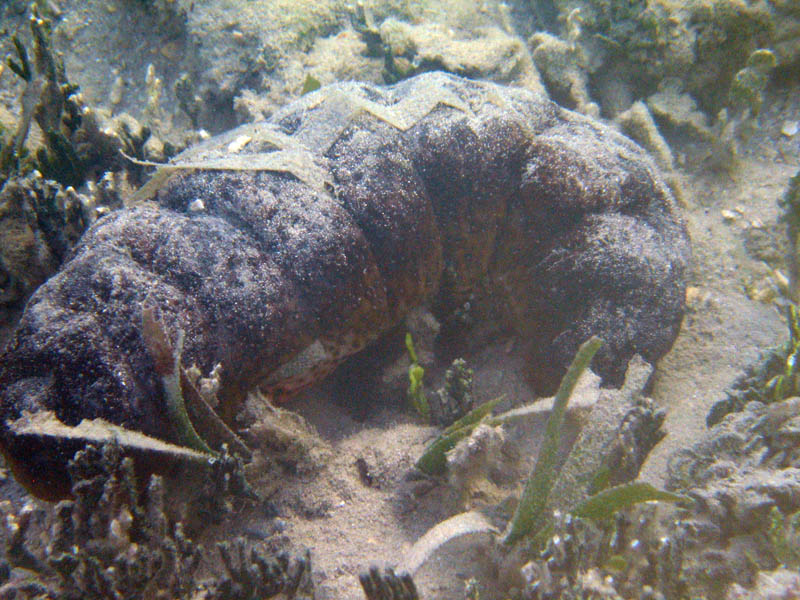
[{"x": 732, "y": 216}]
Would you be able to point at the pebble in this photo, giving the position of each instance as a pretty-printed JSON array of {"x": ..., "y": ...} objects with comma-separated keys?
[
  {"x": 239, "y": 143},
  {"x": 790, "y": 128},
  {"x": 697, "y": 298},
  {"x": 117, "y": 88},
  {"x": 782, "y": 280}
]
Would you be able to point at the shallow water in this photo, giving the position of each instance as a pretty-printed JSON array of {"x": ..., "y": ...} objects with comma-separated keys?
[{"x": 334, "y": 468}]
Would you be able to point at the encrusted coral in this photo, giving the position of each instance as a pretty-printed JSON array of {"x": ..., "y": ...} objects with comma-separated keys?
[
  {"x": 739, "y": 474},
  {"x": 773, "y": 376},
  {"x": 388, "y": 585},
  {"x": 114, "y": 541},
  {"x": 80, "y": 142},
  {"x": 106, "y": 543},
  {"x": 40, "y": 222}
]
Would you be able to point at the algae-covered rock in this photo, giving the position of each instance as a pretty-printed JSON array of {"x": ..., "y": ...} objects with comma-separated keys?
[
  {"x": 703, "y": 43},
  {"x": 672, "y": 105},
  {"x": 637, "y": 122},
  {"x": 749, "y": 83},
  {"x": 486, "y": 52},
  {"x": 739, "y": 474},
  {"x": 563, "y": 67},
  {"x": 222, "y": 48}
]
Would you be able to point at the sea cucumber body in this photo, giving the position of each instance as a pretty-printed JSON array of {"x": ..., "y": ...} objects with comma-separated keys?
[{"x": 335, "y": 218}]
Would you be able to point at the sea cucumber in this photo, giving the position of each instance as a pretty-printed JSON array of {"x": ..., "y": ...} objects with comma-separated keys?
[{"x": 282, "y": 247}]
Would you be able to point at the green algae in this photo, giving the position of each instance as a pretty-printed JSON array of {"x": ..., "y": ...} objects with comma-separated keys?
[
  {"x": 528, "y": 516},
  {"x": 750, "y": 82}
]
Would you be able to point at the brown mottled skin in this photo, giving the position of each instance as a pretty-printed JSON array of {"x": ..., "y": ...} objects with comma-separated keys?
[{"x": 567, "y": 220}]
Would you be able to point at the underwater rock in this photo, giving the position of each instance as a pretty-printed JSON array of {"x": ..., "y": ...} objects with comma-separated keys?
[
  {"x": 564, "y": 69},
  {"x": 744, "y": 476},
  {"x": 678, "y": 109},
  {"x": 282, "y": 247},
  {"x": 703, "y": 43},
  {"x": 774, "y": 585},
  {"x": 486, "y": 52},
  {"x": 637, "y": 122}
]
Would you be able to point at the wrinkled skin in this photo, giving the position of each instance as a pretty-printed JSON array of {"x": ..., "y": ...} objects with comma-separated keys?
[{"x": 566, "y": 220}]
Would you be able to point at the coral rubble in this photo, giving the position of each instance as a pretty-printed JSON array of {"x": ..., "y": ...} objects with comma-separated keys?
[{"x": 114, "y": 540}]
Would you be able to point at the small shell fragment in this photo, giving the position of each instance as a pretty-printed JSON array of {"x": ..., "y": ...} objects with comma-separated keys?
[
  {"x": 237, "y": 144},
  {"x": 781, "y": 280},
  {"x": 790, "y": 128}
]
